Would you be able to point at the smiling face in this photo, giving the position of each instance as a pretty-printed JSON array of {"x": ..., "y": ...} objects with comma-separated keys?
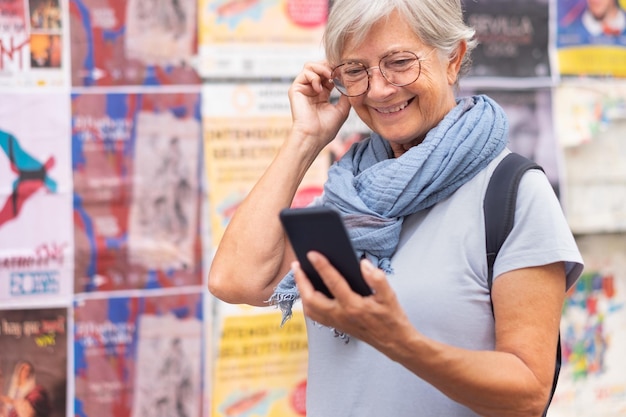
[{"x": 403, "y": 115}]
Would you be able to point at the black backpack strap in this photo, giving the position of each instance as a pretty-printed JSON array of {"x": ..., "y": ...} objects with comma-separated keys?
[
  {"x": 499, "y": 204},
  {"x": 499, "y": 212}
]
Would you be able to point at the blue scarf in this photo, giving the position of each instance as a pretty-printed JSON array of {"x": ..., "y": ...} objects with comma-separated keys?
[{"x": 374, "y": 191}]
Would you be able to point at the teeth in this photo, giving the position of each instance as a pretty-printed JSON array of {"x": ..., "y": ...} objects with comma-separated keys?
[{"x": 388, "y": 110}]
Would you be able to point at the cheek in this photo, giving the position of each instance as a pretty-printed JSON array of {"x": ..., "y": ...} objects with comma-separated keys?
[{"x": 360, "y": 109}]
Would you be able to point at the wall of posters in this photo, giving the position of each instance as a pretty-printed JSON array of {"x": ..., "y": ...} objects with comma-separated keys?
[{"x": 130, "y": 131}]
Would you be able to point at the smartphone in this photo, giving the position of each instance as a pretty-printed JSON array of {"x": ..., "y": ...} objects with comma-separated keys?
[{"x": 321, "y": 229}]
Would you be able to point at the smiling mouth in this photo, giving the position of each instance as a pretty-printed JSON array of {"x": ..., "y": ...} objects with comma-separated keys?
[{"x": 394, "y": 109}]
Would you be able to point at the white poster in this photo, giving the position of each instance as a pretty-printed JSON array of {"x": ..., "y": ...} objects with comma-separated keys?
[{"x": 36, "y": 243}]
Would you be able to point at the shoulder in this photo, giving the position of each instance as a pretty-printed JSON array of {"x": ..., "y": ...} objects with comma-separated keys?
[{"x": 541, "y": 234}]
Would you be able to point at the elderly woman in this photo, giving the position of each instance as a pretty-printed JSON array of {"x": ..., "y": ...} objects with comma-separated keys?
[{"x": 426, "y": 343}]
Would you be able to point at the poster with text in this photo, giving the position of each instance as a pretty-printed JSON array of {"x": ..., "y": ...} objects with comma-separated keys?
[
  {"x": 591, "y": 37},
  {"x": 260, "y": 367},
  {"x": 513, "y": 41},
  {"x": 36, "y": 243},
  {"x": 593, "y": 334},
  {"x": 591, "y": 121},
  {"x": 137, "y": 191},
  {"x": 139, "y": 356},
  {"x": 134, "y": 42},
  {"x": 33, "y": 362},
  {"x": 33, "y": 36},
  {"x": 244, "y": 126},
  {"x": 259, "y": 38}
]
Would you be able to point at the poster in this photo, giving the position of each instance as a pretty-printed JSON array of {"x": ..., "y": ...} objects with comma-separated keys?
[
  {"x": 138, "y": 356},
  {"x": 260, "y": 367},
  {"x": 243, "y": 130},
  {"x": 591, "y": 121},
  {"x": 513, "y": 43},
  {"x": 134, "y": 42},
  {"x": 591, "y": 37},
  {"x": 593, "y": 333},
  {"x": 137, "y": 190},
  {"x": 35, "y": 177},
  {"x": 33, "y": 361},
  {"x": 531, "y": 128},
  {"x": 33, "y": 36},
  {"x": 259, "y": 38}
]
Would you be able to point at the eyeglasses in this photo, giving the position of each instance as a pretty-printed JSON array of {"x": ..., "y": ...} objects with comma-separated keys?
[{"x": 399, "y": 68}]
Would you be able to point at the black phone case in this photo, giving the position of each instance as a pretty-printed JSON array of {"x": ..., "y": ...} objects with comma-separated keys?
[{"x": 321, "y": 229}]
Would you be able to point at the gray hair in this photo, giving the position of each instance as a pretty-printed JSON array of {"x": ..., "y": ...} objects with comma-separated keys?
[{"x": 438, "y": 23}]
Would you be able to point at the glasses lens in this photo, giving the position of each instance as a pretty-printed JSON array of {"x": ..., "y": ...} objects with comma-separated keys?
[
  {"x": 351, "y": 79},
  {"x": 401, "y": 68}
]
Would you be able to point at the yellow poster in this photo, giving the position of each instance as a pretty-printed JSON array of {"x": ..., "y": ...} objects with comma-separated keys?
[
  {"x": 259, "y": 38},
  {"x": 591, "y": 37},
  {"x": 244, "y": 125},
  {"x": 260, "y": 367}
]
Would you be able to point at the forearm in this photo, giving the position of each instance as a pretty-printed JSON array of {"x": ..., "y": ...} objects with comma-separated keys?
[
  {"x": 250, "y": 259},
  {"x": 491, "y": 383}
]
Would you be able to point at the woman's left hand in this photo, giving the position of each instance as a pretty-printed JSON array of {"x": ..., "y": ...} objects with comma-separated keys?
[{"x": 377, "y": 319}]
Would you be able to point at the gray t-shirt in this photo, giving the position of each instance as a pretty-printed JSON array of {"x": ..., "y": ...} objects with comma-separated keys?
[{"x": 440, "y": 280}]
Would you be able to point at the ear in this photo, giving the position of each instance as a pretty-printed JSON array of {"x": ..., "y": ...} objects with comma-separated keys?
[{"x": 454, "y": 64}]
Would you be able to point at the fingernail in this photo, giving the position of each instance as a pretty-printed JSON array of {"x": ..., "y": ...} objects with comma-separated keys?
[{"x": 367, "y": 264}]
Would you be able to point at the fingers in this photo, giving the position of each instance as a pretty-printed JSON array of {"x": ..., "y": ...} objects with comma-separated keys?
[
  {"x": 313, "y": 79},
  {"x": 374, "y": 277},
  {"x": 371, "y": 319}
]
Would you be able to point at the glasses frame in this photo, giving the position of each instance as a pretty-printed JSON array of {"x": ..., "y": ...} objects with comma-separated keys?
[{"x": 369, "y": 73}]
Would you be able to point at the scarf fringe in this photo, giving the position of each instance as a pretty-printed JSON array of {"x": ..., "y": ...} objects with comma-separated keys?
[{"x": 285, "y": 303}]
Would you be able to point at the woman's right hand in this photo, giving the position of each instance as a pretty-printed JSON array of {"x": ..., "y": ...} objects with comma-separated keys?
[
  {"x": 253, "y": 254},
  {"x": 314, "y": 117}
]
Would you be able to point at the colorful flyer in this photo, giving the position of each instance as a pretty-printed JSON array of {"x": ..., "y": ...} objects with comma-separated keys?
[
  {"x": 137, "y": 190},
  {"x": 513, "y": 39},
  {"x": 243, "y": 130},
  {"x": 32, "y": 44},
  {"x": 591, "y": 37},
  {"x": 593, "y": 333},
  {"x": 260, "y": 367},
  {"x": 36, "y": 249},
  {"x": 33, "y": 362},
  {"x": 139, "y": 356},
  {"x": 134, "y": 42},
  {"x": 259, "y": 38}
]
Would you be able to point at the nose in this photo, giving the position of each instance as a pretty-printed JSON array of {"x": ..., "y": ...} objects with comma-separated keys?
[{"x": 379, "y": 82}]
